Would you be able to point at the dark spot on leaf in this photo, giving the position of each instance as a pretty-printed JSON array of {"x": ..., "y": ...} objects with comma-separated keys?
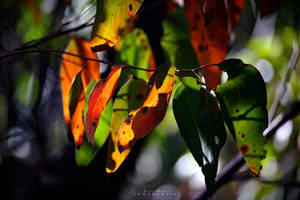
[
  {"x": 243, "y": 135},
  {"x": 197, "y": 16},
  {"x": 138, "y": 33},
  {"x": 130, "y": 7},
  {"x": 239, "y": 132},
  {"x": 128, "y": 120},
  {"x": 127, "y": 20},
  {"x": 124, "y": 133},
  {"x": 77, "y": 126},
  {"x": 261, "y": 167},
  {"x": 128, "y": 97},
  {"x": 94, "y": 124},
  {"x": 145, "y": 110},
  {"x": 139, "y": 97},
  {"x": 143, "y": 40},
  {"x": 237, "y": 110},
  {"x": 244, "y": 148},
  {"x": 248, "y": 123},
  {"x": 254, "y": 151},
  {"x": 120, "y": 31},
  {"x": 200, "y": 47}
]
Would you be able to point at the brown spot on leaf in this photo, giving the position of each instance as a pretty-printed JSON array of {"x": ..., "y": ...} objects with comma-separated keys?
[
  {"x": 244, "y": 148},
  {"x": 254, "y": 151},
  {"x": 237, "y": 110},
  {"x": 144, "y": 110},
  {"x": 128, "y": 120},
  {"x": 143, "y": 40},
  {"x": 130, "y": 7},
  {"x": 139, "y": 97},
  {"x": 243, "y": 135}
]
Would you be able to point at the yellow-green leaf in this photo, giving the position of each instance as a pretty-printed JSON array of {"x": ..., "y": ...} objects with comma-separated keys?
[{"x": 112, "y": 17}]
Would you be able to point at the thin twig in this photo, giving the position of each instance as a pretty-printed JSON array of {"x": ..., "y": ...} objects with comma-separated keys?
[
  {"x": 51, "y": 51},
  {"x": 282, "y": 88},
  {"x": 238, "y": 161}
]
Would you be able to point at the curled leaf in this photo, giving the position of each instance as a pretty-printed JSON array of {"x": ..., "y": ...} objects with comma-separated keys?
[
  {"x": 112, "y": 17},
  {"x": 76, "y": 106},
  {"x": 141, "y": 121},
  {"x": 201, "y": 125},
  {"x": 98, "y": 99}
]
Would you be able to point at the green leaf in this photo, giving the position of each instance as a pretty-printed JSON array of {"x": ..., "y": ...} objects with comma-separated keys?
[
  {"x": 103, "y": 127},
  {"x": 112, "y": 17},
  {"x": 176, "y": 41},
  {"x": 243, "y": 100},
  {"x": 130, "y": 97},
  {"x": 27, "y": 90},
  {"x": 135, "y": 50},
  {"x": 201, "y": 125}
]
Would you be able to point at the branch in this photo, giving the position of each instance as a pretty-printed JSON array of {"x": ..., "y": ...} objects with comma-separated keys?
[
  {"x": 50, "y": 51},
  {"x": 46, "y": 38},
  {"x": 238, "y": 161},
  {"x": 266, "y": 181}
]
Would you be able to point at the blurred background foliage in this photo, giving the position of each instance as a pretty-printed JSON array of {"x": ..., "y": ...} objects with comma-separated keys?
[{"x": 36, "y": 155}]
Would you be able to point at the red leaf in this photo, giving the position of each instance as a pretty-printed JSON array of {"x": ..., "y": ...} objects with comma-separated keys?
[
  {"x": 210, "y": 28},
  {"x": 98, "y": 99}
]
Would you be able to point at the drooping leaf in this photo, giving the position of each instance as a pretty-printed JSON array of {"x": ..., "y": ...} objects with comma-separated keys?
[
  {"x": 141, "y": 121},
  {"x": 176, "y": 41},
  {"x": 211, "y": 23},
  {"x": 135, "y": 50},
  {"x": 76, "y": 106},
  {"x": 72, "y": 65},
  {"x": 201, "y": 125},
  {"x": 112, "y": 17},
  {"x": 130, "y": 97},
  {"x": 243, "y": 102},
  {"x": 98, "y": 99}
]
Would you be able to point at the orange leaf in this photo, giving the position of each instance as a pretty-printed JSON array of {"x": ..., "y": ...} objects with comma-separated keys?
[
  {"x": 210, "y": 28},
  {"x": 70, "y": 67},
  {"x": 141, "y": 121},
  {"x": 129, "y": 97},
  {"x": 98, "y": 99},
  {"x": 77, "y": 123}
]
